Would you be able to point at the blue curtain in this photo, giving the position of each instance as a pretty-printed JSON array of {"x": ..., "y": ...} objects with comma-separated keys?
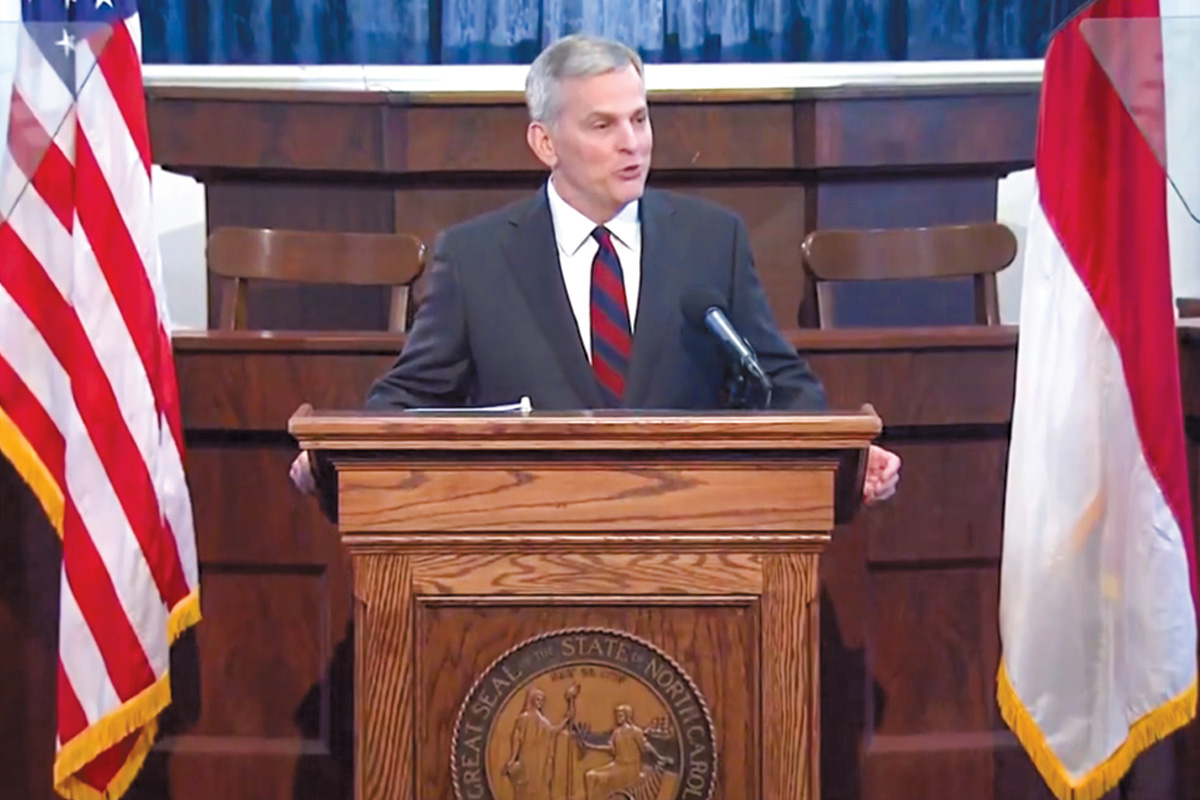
[{"x": 513, "y": 31}]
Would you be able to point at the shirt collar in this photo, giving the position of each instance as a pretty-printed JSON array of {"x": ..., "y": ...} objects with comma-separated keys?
[{"x": 572, "y": 229}]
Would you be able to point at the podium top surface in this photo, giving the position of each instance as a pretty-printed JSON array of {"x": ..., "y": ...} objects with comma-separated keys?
[{"x": 454, "y": 429}]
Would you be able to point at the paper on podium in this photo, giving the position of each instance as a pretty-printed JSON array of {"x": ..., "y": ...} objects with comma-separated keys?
[{"x": 523, "y": 407}]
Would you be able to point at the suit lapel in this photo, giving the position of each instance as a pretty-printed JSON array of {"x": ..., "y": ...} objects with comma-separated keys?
[
  {"x": 656, "y": 298},
  {"x": 533, "y": 257}
]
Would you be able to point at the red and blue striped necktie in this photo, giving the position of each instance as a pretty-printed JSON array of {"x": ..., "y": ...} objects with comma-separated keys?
[{"x": 611, "y": 337}]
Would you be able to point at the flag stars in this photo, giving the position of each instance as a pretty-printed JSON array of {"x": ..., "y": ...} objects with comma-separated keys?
[
  {"x": 67, "y": 43},
  {"x": 101, "y": 3}
]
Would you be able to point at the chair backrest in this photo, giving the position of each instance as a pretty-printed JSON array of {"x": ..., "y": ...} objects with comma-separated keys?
[
  {"x": 954, "y": 251},
  {"x": 240, "y": 255}
]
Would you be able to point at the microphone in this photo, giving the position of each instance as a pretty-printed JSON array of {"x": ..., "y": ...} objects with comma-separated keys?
[{"x": 705, "y": 308}]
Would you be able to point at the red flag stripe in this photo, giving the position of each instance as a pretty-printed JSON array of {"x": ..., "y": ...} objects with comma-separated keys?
[
  {"x": 109, "y": 616},
  {"x": 32, "y": 290},
  {"x": 118, "y": 59},
  {"x": 71, "y": 717},
  {"x": 99, "y": 772},
  {"x": 23, "y": 407},
  {"x": 1105, "y": 198},
  {"x": 119, "y": 645},
  {"x": 120, "y": 55},
  {"x": 37, "y": 156},
  {"x": 116, "y": 253}
]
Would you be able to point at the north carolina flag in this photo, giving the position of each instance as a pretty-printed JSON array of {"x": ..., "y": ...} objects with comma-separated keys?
[{"x": 1097, "y": 593}]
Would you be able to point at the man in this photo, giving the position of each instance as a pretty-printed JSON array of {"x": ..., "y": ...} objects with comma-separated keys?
[{"x": 573, "y": 296}]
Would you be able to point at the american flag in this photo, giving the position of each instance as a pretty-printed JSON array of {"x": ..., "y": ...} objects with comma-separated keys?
[{"x": 89, "y": 408}]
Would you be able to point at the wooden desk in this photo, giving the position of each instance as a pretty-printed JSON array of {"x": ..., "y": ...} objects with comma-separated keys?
[{"x": 909, "y": 636}]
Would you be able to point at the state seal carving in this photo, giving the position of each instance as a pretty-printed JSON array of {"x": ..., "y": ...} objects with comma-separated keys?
[{"x": 584, "y": 714}]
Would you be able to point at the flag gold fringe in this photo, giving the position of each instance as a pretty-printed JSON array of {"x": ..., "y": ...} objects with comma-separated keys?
[
  {"x": 139, "y": 712},
  {"x": 29, "y": 465},
  {"x": 74, "y": 789},
  {"x": 1150, "y": 728}
]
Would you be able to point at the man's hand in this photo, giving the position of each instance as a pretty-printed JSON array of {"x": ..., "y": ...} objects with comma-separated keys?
[
  {"x": 883, "y": 474},
  {"x": 302, "y": 475}
]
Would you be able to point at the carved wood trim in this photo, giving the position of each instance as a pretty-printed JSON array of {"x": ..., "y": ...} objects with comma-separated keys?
[
  {"x": 384, "y": 677},
  {"x": 349, "y": 431},
  {"x": 543, "y": 600},
  {"x": 535, "y": 543},
  {"x": 791, "y": 690},
  {"x": 600, "y": 573}
]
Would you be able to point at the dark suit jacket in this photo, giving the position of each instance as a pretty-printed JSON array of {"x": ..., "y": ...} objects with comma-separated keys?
[{"x": 496, "y": 323}]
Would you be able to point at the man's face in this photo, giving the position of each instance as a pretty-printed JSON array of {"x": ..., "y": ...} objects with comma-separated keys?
[{"x": 598, "y": 148}]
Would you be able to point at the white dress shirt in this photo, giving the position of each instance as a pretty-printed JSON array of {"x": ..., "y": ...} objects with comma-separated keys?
[{"x": 577, "y": 249}]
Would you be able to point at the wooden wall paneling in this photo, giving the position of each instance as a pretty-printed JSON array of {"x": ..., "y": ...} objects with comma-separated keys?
[
  {"x": 415, "y": 144},
  {"x": 193, "y": 130},
  {"x": 271, "y": 657},
  {"x": 30, "y": 558},
  {"x": 729, "y": 136},
  {"x": 427, "y": 210},
  {"x": 935, "y": 531},
  {"x": 891, "y": 130},
  {"x": 1187, "y": 744},
  {"x": 469, "y": 138},
  {"x": 930, "y": 713},
  {"x": 329, "y": 205},
  {"x": 920, "y": 378},
  {"x": 257, "y": 391}
]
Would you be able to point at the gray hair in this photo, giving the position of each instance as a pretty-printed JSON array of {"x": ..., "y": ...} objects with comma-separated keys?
[{"x": 571, "y": 57}]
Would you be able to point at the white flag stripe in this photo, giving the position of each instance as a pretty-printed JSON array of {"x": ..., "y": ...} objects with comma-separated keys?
[
  {"x": 120, "y": 164},
  {"x": 118, "y": 356},
  {"x": 1088, "y": 533},
  {"x": 131, "y": 191},
  {"x": 95, "y": 500},
  {"x": 134, "y": 24},
  {"x": 132, "y": 623},
  {"x": 85, "y": 668},
  {"x": 43, "y": 235},
  {"x": 51, "y": 245},
  {"x": 40, "y": 372},
  {"x": 171, "y": 484},
  {"x": 117, "y": 155}
]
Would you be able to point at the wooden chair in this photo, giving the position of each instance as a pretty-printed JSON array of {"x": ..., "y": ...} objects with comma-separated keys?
[
  {"x": 240, "y": 255},
  {"x": 978, "y": 251}
]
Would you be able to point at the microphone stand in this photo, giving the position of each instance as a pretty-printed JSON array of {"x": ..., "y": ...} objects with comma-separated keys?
[{"x": 739, "y": 389}]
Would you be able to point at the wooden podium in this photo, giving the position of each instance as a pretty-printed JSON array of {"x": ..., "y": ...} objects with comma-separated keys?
[{"x": 591, "y": 605}]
